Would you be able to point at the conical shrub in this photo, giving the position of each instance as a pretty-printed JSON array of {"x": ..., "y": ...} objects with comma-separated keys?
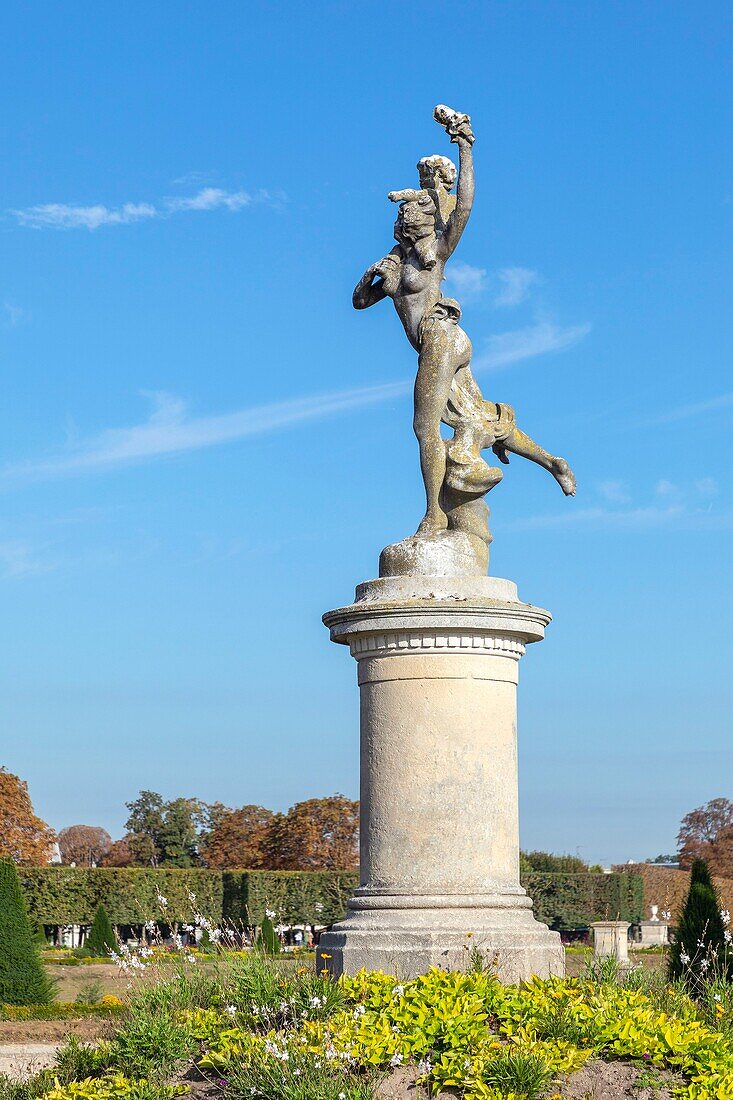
[
  {"x": 268, "y": 939},
  {"x": 23, "y": 980},
  {"x": 101, "y": 939},
  {"x": 700, "y": 950}
]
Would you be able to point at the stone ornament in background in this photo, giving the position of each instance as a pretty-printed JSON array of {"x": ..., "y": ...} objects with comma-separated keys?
[{"x": 430, "y": 223}]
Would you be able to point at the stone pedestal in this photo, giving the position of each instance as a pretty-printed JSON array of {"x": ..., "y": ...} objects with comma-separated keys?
[
  {"x": 654, "y": 933},
  {"x": 611, "y": 937},
  {"x": 438, "y": 661}
]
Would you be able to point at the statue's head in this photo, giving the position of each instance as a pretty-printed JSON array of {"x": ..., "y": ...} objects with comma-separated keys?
[{"x": 437, "y": 171}]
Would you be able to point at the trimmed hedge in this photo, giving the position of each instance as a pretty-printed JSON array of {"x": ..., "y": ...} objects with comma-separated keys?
[
  {"x": 70, "y": 895},
  {"x": 565, "y": 901}
]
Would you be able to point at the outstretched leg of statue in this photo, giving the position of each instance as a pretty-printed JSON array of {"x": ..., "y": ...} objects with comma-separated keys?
[{"x": 523, "y": 445}]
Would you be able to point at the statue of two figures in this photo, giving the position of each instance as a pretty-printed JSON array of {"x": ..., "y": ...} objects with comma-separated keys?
[{"x": 430, "y": 223}]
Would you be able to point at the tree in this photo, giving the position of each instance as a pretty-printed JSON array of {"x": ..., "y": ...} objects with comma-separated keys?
[
  {"x": 119, "y": 854},
  {"x": 238, "y": 838},
  {"x": 23, "y": 980},
  {"x": 84, "y": 845},
  {"x": 24, "y": 838},
  {"x": 546, "y": 861},
  {"x": 700, "y": 947},
  {"x": 163, "y": 834},
  {"x": 101, "y": 939},
  {"x": 321, "y": 834},
  {"x": 707, "y": 834}
]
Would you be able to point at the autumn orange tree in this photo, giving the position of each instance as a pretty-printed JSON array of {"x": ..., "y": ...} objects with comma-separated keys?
[
  {"x": 707, "y": 833},
  {"x": 320, "y": 834},
  {"x": 238, "y": 838},
  {"x": 84, "y": 845},
  {"x": 24, "y": 838}
]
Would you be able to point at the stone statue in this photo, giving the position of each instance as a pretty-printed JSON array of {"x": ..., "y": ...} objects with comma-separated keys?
[{"x": 430, "y": 223}]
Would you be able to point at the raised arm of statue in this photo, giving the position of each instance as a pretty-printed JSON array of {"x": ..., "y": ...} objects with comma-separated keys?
[{"x": 458, "y": 128}]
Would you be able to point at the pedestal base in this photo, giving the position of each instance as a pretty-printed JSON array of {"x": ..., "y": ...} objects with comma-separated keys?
[
  {"x": 407, "y": 940},
  {"x": 438, "y": 659}
]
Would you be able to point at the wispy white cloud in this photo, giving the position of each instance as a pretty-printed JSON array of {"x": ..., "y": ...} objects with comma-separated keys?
[
  {"x": 171, "y": 429},
  {"x": 17, "y": 559},
  {"x": 679, "y": 506},
  {"x": 67, "y": 216},
  {"x": 466, "y": 279},
  {"x": 526, "y": 343},
  {"x": 515, "y": 283},
  {"x": 57, "y": 215},
  {"x": 614, "y": 491},
  {"x": 211, "y": 198},
  {"x": 11, "y": 315},
  {"x": 688, "y": 412}
]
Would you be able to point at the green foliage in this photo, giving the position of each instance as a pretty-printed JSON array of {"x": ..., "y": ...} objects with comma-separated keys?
[
  {"x": 267, "y": 938},
  {"x": 163, "y": 833},
  {"x": 151, "y": 1044},
  {"x": 302, "y": 1075},
  {"x": 518, "y": 1071},
  {"x": 700, "y": 950},
  {"x": 700, "y": 874},
  {"x": 59, "y": 1010},
  {"x": 23, "y": 979},
  {"x": 101, "y": 939},
  {"x": 114, "y": 1087},
  {"x": 90, "y": 993},
  {"x": 574, "y": 900},
  {"x": 71, "y": 895}
]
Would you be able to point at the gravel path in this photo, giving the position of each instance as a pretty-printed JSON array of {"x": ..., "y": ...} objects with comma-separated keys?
[{"x": 21, "y": 1060}]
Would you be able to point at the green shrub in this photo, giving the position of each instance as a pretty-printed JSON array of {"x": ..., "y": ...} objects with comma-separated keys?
[
  {"x": 23, "y": 980},
  {"x": 700, "y": 952},
  {"x": 90, "y": 993},
  {"x": 101, "y": 939},
  {"x": 520, "y": 1072},
  {"x": 151, "y": 1044},
  {"x": 268, "y": 939}
]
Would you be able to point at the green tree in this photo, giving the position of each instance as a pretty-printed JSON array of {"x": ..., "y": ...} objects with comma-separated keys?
[
  {"x": 101, "y": 939},
  {"x": 700, "y": 946},
  {"x": 23, "y": 980},
  {"x": 163, "y": 834}
]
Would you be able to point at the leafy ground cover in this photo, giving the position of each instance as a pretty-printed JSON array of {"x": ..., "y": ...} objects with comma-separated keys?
[{"x": 262, "y": 1029}]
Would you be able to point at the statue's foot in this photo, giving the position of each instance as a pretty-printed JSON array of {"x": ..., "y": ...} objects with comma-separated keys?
[
  {"x": 564, "y": 476},
  {"x": 433, "y": 523}
]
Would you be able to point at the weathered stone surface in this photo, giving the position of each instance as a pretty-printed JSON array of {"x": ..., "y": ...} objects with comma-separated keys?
[
  {"x": 430, "y": 223},
  {"x": 439, "y": 812}
]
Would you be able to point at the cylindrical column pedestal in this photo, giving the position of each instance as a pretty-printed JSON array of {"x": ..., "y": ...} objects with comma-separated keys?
[{"x": 438, "y": 665}]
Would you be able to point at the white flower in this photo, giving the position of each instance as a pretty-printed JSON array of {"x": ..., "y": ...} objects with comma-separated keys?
[
  {"x": 684, "y": 958},
  {"x": 231, "y": 1010},
  {"x": 162, "y": 901},
  {"x": 359, "y": 1011},
  {"x": 398, "y": 991},
  {"x": 725, "y": 916},
  {"x": 396, "y": 1060},
  {"x": 342, "y": 1096},
  {"x": 716, "y": 996},
  {"x": 728, "y": 936},
  {"x": 424, "y": 1066},
  {"x": 704, "y": 964},
  {"x": 270, "y": 913},
  {"x": 315, "y": 1002}
]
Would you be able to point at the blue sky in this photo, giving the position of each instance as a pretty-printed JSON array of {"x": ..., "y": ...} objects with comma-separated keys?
[{"x": 203, "y": 447}]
